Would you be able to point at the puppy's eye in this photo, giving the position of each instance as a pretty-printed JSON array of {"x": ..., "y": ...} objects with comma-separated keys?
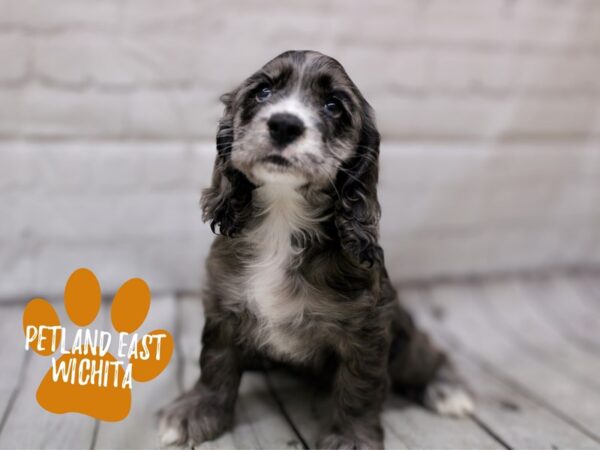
[
  {"x": 333, "y": 108},
  {"x": 263, "y": 94}
]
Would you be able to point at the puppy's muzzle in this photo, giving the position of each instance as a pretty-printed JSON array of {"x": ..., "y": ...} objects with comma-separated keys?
[{"x": 284, "y": 128}]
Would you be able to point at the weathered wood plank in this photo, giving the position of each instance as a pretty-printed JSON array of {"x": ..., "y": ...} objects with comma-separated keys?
[
  {"x": 30, "y": 426},
  {"x": 587, "y": 292},
  {"x": 561, "y": 304},
  {"x": 258, "y": 410},
  {"x": 585, "y": 297},
  {"x": 258, "y": 420},
  {"x": 138, "y": 429},
  {"x": 419, "y": 428},
  {"x": 508, "y": 302},
  {"x": 591, "y": 287},
  {"x": 12, "y": 355},
  {"x": 407, "y": 426},
  {"x": 507, "y": 410},
  {"x": 475, "y": 328},
  {"x": 303, "y": 406},
  {"x": 520, "y": 352}
]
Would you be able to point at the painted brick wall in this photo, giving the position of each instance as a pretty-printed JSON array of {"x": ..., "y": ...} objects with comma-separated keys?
[{"x": 490, "y": 112}]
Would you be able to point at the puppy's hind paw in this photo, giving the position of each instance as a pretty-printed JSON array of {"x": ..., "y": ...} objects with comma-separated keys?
[{"x": 448, "y": 399}]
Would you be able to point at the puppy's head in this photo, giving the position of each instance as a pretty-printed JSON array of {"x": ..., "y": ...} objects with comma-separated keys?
[{"x": 300, "y": 121}]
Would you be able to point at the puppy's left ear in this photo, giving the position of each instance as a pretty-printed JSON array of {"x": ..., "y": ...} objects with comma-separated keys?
[
  {"x": 357, "y": 209},
  {"x": 226, "y": 203}
]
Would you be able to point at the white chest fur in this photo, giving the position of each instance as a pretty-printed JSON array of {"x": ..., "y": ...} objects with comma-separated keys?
[{"x": 285, "y": 213}]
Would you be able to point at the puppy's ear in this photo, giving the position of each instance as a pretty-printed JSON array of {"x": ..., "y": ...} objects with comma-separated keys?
[
  {"x": 226, "y": 203},
  {"x": 357, "y": 208}
]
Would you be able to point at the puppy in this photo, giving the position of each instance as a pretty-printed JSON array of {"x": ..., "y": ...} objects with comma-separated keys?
[{"x": 296, "y": 276}]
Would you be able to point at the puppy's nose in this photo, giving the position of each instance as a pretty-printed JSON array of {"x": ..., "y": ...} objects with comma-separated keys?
[{"x": 284, "y": 128}]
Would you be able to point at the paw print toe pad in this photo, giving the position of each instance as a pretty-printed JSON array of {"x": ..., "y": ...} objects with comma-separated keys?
[
  {"x": 38, "y": 313},
  {"x": 130, "y": 306}
]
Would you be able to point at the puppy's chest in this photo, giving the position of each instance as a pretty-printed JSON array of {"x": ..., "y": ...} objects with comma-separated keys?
[
  {"x": 274, "y": 291},
  {"x": 271, "y": 298}
]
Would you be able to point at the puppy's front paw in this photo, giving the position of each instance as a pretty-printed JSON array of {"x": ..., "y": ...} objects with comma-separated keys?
[
  {"x": 337, "y": 441},
  {"x": 448, "y": 399},
  {"x": 343, "y": 442},
  {"x": 191, "y": 419}
]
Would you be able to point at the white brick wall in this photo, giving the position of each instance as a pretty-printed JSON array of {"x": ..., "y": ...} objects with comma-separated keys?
[
  {"x": 490, "y": 112},
  {"x": 430, "y": 67},
  {"x": 131, "y": 209}
]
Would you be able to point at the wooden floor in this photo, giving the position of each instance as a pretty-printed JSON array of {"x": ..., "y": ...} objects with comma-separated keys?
[{"x": 529, "y": 348}]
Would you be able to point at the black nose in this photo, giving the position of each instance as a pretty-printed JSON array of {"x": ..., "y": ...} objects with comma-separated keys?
[{"x": 284, "y": 128}]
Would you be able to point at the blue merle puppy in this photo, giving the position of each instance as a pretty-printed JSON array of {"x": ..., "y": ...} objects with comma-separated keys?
[{"x": 296, "y": 276}]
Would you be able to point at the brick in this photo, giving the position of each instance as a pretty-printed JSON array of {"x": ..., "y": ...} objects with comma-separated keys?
[
  {"x": 545, "y": 11},
  {"x": 112, "y": 264},
  {"x": 493, "y": 165},
  {"x": 385, "y": 70},
  {"x": 459, "y": 69},
  {"x": 442, "y": 255},
  {"x": 10, "y": 123},
  {"x": 516, "y": 186},
  {"x": 217, "y": 71},
  {"x": 17, "y": 167},
  {"x": 16, "y": 217},
  {"x": 387, "y": 30},
  {"x": 17, "y": 266},
  {"x": 463, "y": 209},
  {"x": 553, "y": 73},
  {"x": 40, "y": 15},
  {"x": 142, "y": 15},
  {"x": 165, "y": 266},
  {"x": 162, "y": 60},
  {"x": 470, "y": 252},
  {"x": 439, "y": 116},
  {"x": 115, "y": 62},
  {"x": 520, "y": 24},
  {"x": 466, "y": 8},
  {"x": 474, "y": 116},
  {"x": 551, "y": 116},
  {"x": 117, "y": 167},
  {"x": 172, "y": 166},
  {"x": 107, "y": 217},
  {"x": 204, "y": 157},
  {"x": 45, "y": 111},
  {"x": 54, "y": 61},
  {"x": 181, "y": 262},
  {"x": 81, "y": 167},
  {"x": 174, "y": 114},
  {"x": 14, "y": 51}
]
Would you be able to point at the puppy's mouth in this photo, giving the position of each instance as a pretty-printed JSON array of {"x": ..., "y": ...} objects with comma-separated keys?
[
  {"x": 277, "y": 169},
  {"x": 277, "y": 160}
]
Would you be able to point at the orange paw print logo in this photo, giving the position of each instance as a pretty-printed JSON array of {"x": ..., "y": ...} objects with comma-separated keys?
[{"x": 87, "y": 378}]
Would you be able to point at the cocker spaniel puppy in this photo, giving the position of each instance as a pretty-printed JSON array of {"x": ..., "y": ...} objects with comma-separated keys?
[{"x": 296, "y": 277}]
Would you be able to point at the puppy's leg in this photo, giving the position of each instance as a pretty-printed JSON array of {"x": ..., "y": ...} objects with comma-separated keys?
[
  {"x": 206, "y": 411},
  {"x": 416, "y": 365},
  {"x": 360, "y": 386}
]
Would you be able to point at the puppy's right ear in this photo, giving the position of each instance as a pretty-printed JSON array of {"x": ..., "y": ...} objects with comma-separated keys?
[{"x": 226, "y": 203}]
